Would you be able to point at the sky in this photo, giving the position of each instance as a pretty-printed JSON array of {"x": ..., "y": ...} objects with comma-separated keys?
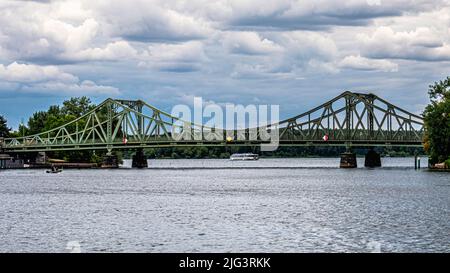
[{"x": 296, "y": 54}]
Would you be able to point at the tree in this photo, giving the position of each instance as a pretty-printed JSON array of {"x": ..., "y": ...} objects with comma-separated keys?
[
  {"x": 4, "y": 129},
  {"x": 440, "y": 91},
  {"x": 36, "y": 123},
  {"x": 55, "y": 116},
  {"x": 77, "y": 106},
  {"x": 437, "y": 122}
]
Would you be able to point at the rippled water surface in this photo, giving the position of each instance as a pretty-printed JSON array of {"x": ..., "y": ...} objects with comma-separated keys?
[{"x": 270, "y": 205}]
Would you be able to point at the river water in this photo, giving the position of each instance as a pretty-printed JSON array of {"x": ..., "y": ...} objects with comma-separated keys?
[{"x": 270, "y": 205}]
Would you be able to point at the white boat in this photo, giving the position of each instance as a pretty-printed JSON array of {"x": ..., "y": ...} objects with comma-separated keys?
[{"x": 248, "y": 156}]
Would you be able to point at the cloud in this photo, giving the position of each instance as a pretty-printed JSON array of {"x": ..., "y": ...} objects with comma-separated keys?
[
  {"x": 81, "y": 31},
  {"x": 58, "y": 32},
  {"x": 422, "y": 44},
  {"x": 43, "y": 38},
  {"x": 250, "y": 43},
  {"x": 150, "y": 21},
  {"x": 293, "y": 54},
  {"x": 231, "y": 50},
  {"x": 47, "y": 79},
  {"x": 306, "y": 48},
  {"x": 319, "y": 14},
  {"x": 82, "y": 88},
  {"x": 360, "y": 63},
  {"x": 258, "y": 71},
  {"x": 114, "y": 51},
  {"x": 29, "y": 73},
  {"x": 183, "y": 57},
  {"x": 308, "y": 44}
]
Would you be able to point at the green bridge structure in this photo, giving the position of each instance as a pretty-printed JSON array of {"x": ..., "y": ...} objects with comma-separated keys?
[{"x": 349, "y": 120}]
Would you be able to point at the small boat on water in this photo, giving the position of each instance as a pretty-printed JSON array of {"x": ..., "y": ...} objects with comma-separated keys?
[
  {"x": 247, "y": 156},
  {"x": 57, "y": 171},
  {"x": 54, "y": 170}
]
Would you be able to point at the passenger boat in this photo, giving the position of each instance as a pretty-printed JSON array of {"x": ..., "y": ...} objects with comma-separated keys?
[{"x": 247, "y": 156}]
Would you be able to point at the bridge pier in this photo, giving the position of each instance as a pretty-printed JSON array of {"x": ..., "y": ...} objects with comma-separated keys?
[
  {"x": 139, "y": 159},
  {"x": 348, "y": 160},
  {"x": 373, "y": 159},
  {"x": 110, "y": 161},
  {"x": 41, "y": 158}
]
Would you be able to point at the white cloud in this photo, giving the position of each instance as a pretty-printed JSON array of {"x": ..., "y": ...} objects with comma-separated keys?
[
  {"x": 245, "y": 42},
  {"x": 423, "y": 44},
  {"x": 183, "y": 57},
  {"x": 258, "y": 71},
  {"x": 119, "y": 50},
  {"x": 308, "y": 45},
  {"x": 294, "y": 54},
  {"x": 78, "y": 89},
  {"x": 29, "y": 73},
  {"x": 47, "y": 79},
  {"x": 149, "y": 20},
  {"x": 57, "y": 32},
  {"x": 69, "y": 36},
  {"x": 40, "y": 37},
  {"x": 360, "y": 63},
  {"x": 305, "y": 49}
]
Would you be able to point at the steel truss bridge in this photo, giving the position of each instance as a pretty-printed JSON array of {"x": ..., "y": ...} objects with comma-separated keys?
[{"x": 350, "y": 119}]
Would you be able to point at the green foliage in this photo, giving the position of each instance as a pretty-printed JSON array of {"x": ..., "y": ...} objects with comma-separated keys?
[
  {"x": 440, "y": 91},
  {"x": 77, "y": 106},
  {"x": 96, "y": 158},
  {"x": 56, "y": 116},
  {"x": 4, "y": 129},
  {"x": 437, "y": 122},
  {"x": 447, "y": 163},
  {"x": 37, "y": 122}
]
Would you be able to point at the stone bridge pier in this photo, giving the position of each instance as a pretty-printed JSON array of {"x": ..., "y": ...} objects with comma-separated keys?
[
  {"x": 139, "y": 159},
  {"x": 348, "y": 160},
  {"x": 110, "y": 161},
  {"x": 373, "y": 159}
]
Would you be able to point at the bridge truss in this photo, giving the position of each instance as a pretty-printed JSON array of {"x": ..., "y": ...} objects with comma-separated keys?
[{"x": 350, "y": 119}]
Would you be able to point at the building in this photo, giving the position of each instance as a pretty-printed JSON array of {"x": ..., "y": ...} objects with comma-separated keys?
[{"x": 9, "y": 162}]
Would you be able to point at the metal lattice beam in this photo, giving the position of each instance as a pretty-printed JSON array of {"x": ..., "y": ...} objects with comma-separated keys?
[{"x": 350, "y": 118}]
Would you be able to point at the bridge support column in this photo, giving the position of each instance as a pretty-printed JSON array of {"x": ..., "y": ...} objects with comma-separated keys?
[
  {"x": 372, "y": 159},
  {"x": 110, "y": 161},
  {"x": 41, "y": 158},
  {"x": 348, "y": 160},
  {"x": 139, "y": 159}
]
